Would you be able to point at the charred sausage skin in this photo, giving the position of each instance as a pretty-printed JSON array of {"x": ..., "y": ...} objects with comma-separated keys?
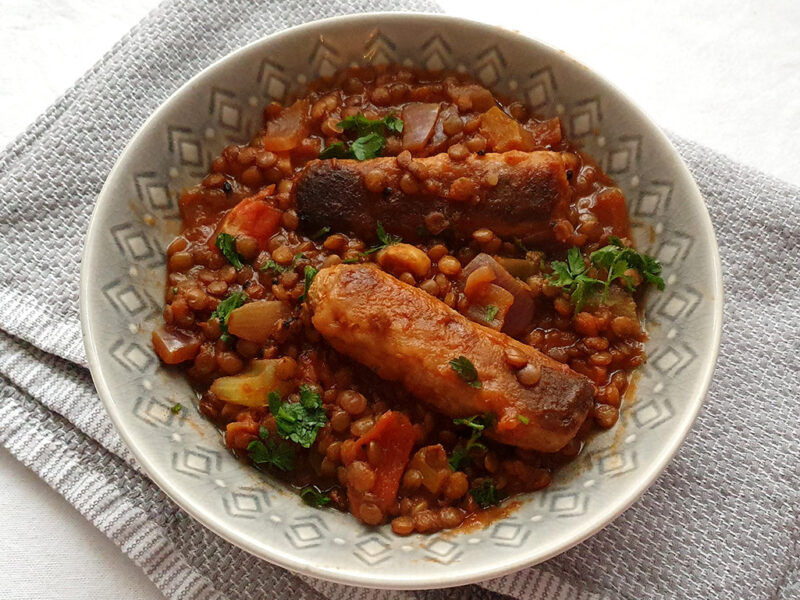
[
  {"x": 514, "y": 194},
  {"x": 406, "y": 335}
]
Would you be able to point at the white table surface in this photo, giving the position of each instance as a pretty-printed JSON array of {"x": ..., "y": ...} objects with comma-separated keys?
[{"x": 724, "y": 73}]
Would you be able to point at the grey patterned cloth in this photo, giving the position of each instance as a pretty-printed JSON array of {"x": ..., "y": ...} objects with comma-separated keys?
[{"x": 722, "y": 522}]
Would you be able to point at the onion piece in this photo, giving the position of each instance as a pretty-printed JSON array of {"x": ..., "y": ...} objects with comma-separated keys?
[
  {"x": 258, "y": 321},
  {"x": 418, "y": 121},
  {"x": 504, "y": 133},
  {"x": 431, "y": 461},
  {"x": 288, "y": 129},
  {"x": 520, "y": 313},
  {"x": 252, "y": 386},
  {"x": 175, "y": 346}
]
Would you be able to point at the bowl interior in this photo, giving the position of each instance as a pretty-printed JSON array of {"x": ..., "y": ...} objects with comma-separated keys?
[{"x": 137, "y": 216}]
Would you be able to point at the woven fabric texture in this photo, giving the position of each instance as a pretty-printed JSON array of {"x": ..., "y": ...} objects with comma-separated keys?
[{"x": 723, "y": 521}]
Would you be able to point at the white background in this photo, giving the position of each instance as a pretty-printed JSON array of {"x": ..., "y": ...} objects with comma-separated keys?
[{"x": 724, "y": 73}]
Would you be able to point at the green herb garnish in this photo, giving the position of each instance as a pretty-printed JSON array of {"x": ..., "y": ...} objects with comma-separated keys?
[
  {"x": 176, "y": 408},
  {"x": 313, "y": 497},
  {"x": 321, "y": 232},
  {"x": 571, "y": 275},
  {"x": 477, "y": 423},
  {"x": 466, "y": 370},
  {"x": 271, "y": 265},
  {"x": 224, "y": 310},
  {"x": 523, "y": 419},
  {"x": 487, "y": 494},
  {"x": 371, "y": 138},
  {"x": 227, "y": 245},
  {"x": 299, "y": 421},
  {"x": 386, "y": 239},
  {"x": 490, "y": 312},
  {"x": 616, "y": 258},
  {"x": 308, "y": 273},
  {"x": 266, "y": 451}
]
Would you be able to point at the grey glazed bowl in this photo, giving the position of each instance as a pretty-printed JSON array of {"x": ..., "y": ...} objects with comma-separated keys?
[{"x": 123, "y": 276}]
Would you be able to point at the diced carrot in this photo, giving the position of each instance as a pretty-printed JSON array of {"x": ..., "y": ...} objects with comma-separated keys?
[
  {"x": 289, "y": 128},
  {"x": 395, "y": 436},
  {"x": 240, "y": 433}
]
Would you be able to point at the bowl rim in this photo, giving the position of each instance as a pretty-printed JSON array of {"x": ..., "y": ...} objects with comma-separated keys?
[{"x": 349, "y": 577}]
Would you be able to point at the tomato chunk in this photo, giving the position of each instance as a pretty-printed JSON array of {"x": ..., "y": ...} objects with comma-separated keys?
[
  {"x": 610, "y": 209},
  {"x": 394, "y": 435},
  {"x": 253, "y": 216}
]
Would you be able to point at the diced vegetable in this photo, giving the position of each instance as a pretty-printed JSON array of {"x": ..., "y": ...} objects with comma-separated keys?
[
  {"x": 504, "y": 133},
  {"x": 478, "y": 96},
  {"x": 547, "y": 134},
  {"x": 289, "y": 128},
  {"x": 255, "y": 217},
  {"x": 431, "y": 461},
  {"x": 252, "y": 386},
  {"x": 419, "y": 119},
  {"x": 258, "y": 321},
  {"x": 610, "y": 209},
  {"x": 521, "y": 268},
  {"x": 520, "y": 313},
  {"x": 394, "y": 435},
  {"x": 493, "y": 296},
  {"x": 175, "y": 346}
]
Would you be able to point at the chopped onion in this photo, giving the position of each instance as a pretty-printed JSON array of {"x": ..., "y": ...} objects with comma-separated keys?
[
  {"x": 418, "y": 121},
  {"x": 175, "y": 346},
  {"x": 288, "y": 129}
]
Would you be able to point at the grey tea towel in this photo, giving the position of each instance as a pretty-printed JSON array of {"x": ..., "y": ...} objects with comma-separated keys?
[{"x": 722, "y": 522}]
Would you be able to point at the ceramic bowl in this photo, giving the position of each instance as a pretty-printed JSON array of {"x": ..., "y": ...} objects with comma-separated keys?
[{"x": 137, "y": 216}]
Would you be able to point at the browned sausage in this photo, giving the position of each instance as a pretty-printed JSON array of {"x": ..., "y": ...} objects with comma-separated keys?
[
  {"x": 514, "y": 194},
  {"x": 406, "y": 335}
]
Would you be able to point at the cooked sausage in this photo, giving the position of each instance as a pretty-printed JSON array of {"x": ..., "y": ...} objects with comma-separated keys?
[
  {"x": 514, "y": 194},
  {"x": 406, "y": 335}
]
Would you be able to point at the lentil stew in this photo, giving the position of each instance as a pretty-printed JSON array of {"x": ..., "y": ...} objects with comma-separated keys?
[{"x": 405, "y": 297}]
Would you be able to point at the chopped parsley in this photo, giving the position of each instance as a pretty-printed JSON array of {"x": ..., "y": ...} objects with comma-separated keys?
[
  {"x": 466, "y": 370},
  {"x": 176, "y": 408},
  {"x": 309, "y": 273},
  {"x": 265, "y": 451},
  {"x": 616, "y": 258},
  {"x": 299, "y": 421},
  {"x": 490, "y": 312},
  {"x": 487, "y": 494},
  {"x": 224, "y": 310},
  {"x": 313, "y": 497},
  {"x": 271, "y": 265},
  {"x": 571, "y": 275},
  {"x": 523, "y": 419},
  {"x": 477, "y": 423},
  {"x": 322, "y": 232},
  {"x": 371, "y": 137},
  {"x": 227, "y": 245},
  {"x": 385, "y": 239}
]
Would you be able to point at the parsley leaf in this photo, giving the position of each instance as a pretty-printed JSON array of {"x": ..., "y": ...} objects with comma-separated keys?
[
  {"x": 227, "y": 245},
  {"x": 490, "y": 312},
  {"x": 308, "y": 273},
  {"x": 266, "y": 451},
  {"x": 224, "y": 310},
  {"x": 313, "y": 497},
  {"x": 523, "y": 419},
  {"x": 571, "y": 275},
  {"x": 371, "y": 138},
  {"x": 271, "y": 265},
  {"x": 616, "y": 258},
  {"x": 386, "y": 238},
  {"x": 487, "y": 494},
  {"x": 477, "y": 423},
  {"x": 299, "y": 421},
  {"x": 368, "y": 146},
  {"x": 322, "y": 231},
  {"x": 176, "y": 408},
  {"x": 336, "y": 150},
  {"x": 466, "y": 370}
]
